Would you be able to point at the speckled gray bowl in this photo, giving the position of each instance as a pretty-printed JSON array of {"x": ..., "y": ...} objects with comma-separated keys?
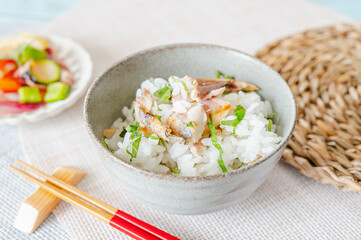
[{"x": 116, "y": 87}]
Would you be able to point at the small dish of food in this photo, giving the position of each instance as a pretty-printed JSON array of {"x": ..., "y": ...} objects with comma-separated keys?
[
  {"x": 182, "y": 139},
  {"x": 40, "y": 76}
]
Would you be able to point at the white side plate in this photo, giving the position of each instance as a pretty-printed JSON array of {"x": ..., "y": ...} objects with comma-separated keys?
[{"x": 79, "y": 62}]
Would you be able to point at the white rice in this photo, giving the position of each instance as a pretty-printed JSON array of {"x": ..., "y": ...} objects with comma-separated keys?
[{"x": 251, "y": 141}]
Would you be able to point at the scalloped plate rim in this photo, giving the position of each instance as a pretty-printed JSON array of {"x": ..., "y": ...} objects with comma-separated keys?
[{"x": 81, "y": 84}]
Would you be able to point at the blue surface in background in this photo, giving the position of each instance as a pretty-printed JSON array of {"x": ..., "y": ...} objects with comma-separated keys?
[
  {"x": 38, "y": 10},
  {"x": 45, "y": 10},
  {"x": 351, "y": 8}
]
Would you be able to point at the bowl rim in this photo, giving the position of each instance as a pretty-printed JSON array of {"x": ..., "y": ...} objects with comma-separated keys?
[{"x": 175, "y": 177}]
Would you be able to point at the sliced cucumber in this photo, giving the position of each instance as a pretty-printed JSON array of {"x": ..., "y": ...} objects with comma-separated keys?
[
  {"x": 31, "y": 53},
  {"x": 56, "y": 91},
  {"x": 45, "y": 71},
  {"x": 29, "y": 95}
]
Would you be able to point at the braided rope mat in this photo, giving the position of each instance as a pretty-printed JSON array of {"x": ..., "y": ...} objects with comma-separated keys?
[{"x": 323, "y": 68}]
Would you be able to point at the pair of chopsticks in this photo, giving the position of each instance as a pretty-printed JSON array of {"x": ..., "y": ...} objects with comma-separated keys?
[{"x": 116, "y": 218}]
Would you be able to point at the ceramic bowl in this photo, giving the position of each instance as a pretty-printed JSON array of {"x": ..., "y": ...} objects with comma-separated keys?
[{"x": 116, "y": 87}]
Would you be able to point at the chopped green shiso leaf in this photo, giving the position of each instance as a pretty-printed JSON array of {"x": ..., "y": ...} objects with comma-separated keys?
[
  {"x": 216, "y": 144},
  {"x": 226, "y": 92},
  {"x": 164, "y": 94},
  {"x": 159, "y": 117},
  {"x": 183, "y": 83},
  {"x": 192, "y": 124},
  {"x": 163, "y": 143},
  {"x": 105, "y": 144},
  {"x": 159, "y": 109},
  {"x": 136, "y": 136},
  {"x": 240, "y": 112},
  {"x": 176, "y": 170},
  {"x": 271, "y": 115},
  {"x": 157, "y": 138},
  {"x": 270, "y": 126},
  {"x": 219, "y": 74},
  {"x": 152, "y": 137}
]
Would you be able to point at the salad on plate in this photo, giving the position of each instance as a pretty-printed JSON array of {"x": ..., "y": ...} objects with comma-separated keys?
[{"x": 31, "y": 74}]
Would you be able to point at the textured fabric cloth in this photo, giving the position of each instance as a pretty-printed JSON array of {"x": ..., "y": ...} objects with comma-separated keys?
[
  {"x": 15, "y": 189},
  {"x": 287, "y": 206}
]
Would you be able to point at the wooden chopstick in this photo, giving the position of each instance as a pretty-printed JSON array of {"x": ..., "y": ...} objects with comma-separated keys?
[
  {"x": 73, "y": 190},
  {"x": 100, "y": 204},
  {"x": 107, "y": 213}
]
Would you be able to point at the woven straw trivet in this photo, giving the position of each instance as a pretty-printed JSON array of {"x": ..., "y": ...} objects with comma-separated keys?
[{"x": 323, "y": 68}]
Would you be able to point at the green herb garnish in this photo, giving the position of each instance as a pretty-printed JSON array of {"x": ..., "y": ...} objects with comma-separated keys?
[
  {"x": 159, "y": 109},
  {"x": 122, "y": 134},
  {"x": 240, "y": 112},
  {"x": 159, "y": 117},
  {"x": 183, "y": 83},
  {"x": 164, "y": 94},
  {"x": 232, "y": 122},
  {"x": 163, "y": 142},
  {"x": 157, "y": 138},
  {"x": 105, "y": 144},
  {"x": 218, "y": 74},
  {"x": 192, "y": 124},
  {"x": 270, "y": 125},
  {"x": 152, "y": 137},
  {"x": 176, "y": 170},
  {"x": 136, "y": 136},
  {"x": 133, "y": 112},
  {"x": 216, "y": 144},
  {"x": 226, "y": 92},
  {"x": 271, "y": 115}
]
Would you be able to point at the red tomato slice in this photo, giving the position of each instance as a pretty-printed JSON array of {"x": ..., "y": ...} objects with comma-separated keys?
[{"x": 7, "y": 66}]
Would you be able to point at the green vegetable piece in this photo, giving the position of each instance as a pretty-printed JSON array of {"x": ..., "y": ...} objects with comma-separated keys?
[
  {"x": 176, "y": 170},
  {"x": 152, "y": 137},
  {"x": 136, "y": 138},
  {"x": 192, "y": 124},
  {"x": 29, "y": 95},
  {"x": 240, "y": 112},
  {"x": 31, "y": 53},
  {"x": 163, "y": 143},
  {"x": 218, "y": 73},
  {"x": 226, "y": 92},
  {"x": 271, "y": 115},
  {"x": 45, "y": 71},
  {"x": 159, "y": 117},
  {"x": 216, "y": 144},
  {"x": 270, "y": 126},
  {"x": 232, "y": 123},
  {"x": 105, "y": 144},
  {"x": 164, "y": 94},
  {"x": 56, "y": 91},
  {"x": 183, "y": 83}
]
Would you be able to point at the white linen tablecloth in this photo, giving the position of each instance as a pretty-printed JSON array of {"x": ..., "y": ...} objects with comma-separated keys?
[{"x": 287, "y": 206}]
